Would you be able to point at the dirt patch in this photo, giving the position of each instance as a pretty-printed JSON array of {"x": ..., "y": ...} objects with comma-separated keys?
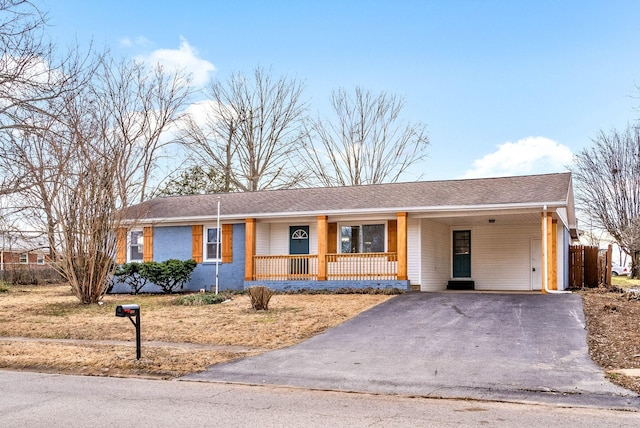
[
  {"x": 170, "y": 334},
  {"x": 613, "y": 333}
]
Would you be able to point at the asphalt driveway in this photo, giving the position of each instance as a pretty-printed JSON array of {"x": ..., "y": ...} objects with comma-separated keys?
[{"x": 521, "y": 347}]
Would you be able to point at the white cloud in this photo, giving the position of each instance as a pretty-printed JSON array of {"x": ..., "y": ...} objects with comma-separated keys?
[
  {"x": 531, "y": 155},
  {"x": 185, "y": 58},
  {"x": 201, "y": 111},
  {"x": 138, "y": 41}
]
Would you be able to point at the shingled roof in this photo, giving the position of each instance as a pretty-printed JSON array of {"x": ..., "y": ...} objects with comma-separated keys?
[{"x": 550, "y": 189}]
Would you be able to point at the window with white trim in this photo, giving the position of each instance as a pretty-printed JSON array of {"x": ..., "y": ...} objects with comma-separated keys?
[
  {"x": 135, "y": 246},
  {"x": 212, "y": 244},
  {"x": 24, "y": 258},
  {"x": 40, "y": 259},
  {"x": 364, "y": 238}
]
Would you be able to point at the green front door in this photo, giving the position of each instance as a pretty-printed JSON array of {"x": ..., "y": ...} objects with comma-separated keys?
[
  {"x": 299, "y": 244},
  {"x": 462, "y": 254}
]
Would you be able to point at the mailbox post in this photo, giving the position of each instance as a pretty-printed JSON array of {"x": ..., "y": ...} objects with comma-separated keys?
[{"x": 130, "y": 311}]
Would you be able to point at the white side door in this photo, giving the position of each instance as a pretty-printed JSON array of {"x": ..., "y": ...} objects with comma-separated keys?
[{"x": 536, "y": 264}]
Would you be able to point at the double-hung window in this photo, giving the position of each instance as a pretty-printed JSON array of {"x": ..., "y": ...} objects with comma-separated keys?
[
  {"x": 365, "y": 238},
  {"x": 136, "y": 245},
  {"x": 24, "y": 258},
  {"x": 213, "y": 246}
]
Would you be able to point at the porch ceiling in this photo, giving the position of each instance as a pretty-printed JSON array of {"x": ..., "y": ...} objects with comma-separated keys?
[{"x": 460, "y": 219}]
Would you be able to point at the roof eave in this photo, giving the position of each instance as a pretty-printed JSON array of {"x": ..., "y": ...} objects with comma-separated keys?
[{"x": 388, "y": 210}]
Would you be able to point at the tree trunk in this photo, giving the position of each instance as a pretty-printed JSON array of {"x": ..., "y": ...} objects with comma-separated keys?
[{"x": 635, "y": 267}]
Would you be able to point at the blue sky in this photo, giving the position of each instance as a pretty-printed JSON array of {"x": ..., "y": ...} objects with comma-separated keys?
[{"x": 505, "y": 87}]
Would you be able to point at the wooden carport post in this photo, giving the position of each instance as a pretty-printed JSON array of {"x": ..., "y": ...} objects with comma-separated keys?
[
  {"x": 402, "y": 246},
  {"x": 323, "y": 239},
  {"x": 249, "y": 247},
  {"x": 549, "y": 252}
]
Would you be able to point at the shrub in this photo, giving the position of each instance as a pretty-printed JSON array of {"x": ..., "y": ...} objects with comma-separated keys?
[
  {"x": 132, "y": 274},
  {"x": 201, "y": 299},
  {"x": 260, "y": 297},
  {"x": 169, "y": 274},
  {"x": 23, "y": 275}
]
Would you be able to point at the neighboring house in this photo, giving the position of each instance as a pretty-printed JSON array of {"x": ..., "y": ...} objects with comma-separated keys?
[
  {"x": 508, "y": 233},
  {"x": 23, "y": 253}
]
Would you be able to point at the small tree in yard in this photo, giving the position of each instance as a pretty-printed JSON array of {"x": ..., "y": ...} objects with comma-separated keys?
[{"x": 170, "y": 274}]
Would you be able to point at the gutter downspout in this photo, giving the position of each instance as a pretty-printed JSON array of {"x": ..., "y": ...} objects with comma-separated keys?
[{"x": 545, "y": 249}]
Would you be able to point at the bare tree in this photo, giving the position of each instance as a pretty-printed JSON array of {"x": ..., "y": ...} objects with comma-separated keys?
[
  {"x": 211, "y": 138},
  {"x": 139, "y": 105},
  {"x": 115, "y": 129},
  {"x": 42, "y": 166},
  {"x": 607, "y": 179},
  {"x": 252, "y": 131},
  {"x": 31, "y": 74},
  {"x": 87, "y": 203},
  {"x": 366, "y": 143},
  {"x": 32, "y": 80},
  {"x": 89, "y": 161},
  {"x": 80, "y": 137}
]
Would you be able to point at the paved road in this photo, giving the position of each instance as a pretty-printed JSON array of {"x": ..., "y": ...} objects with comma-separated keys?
[
  {"x": 518, "y": 347},
  {"x": 34, "y": 400}
]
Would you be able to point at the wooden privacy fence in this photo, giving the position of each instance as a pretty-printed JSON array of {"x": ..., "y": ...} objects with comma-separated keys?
[{"x": 588, "y": 266}]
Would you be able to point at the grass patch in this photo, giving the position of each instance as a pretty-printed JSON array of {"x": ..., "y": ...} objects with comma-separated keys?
[
  {"x": 201, "y": 299},
  {"x": 4, "y": 287},
  {"x": 624, "y": 282}
]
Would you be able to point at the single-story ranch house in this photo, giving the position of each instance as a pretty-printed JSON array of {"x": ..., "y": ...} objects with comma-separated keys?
[{"x": 507, "y": 233}]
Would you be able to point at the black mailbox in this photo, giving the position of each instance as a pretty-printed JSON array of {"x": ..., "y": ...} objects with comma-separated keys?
[
  {"x": 127, "y": 310},
  {"x": 132, "y": 312}
]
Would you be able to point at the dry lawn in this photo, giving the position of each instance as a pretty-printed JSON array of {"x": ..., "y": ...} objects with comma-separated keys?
[
  {"x": 46, "y": 329},
  {"x": 613, "y": 329},
  {"x": 68, "y": 337}
]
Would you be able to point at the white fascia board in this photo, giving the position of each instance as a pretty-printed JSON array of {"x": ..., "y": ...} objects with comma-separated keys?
[{"x": 562, "y": 215}]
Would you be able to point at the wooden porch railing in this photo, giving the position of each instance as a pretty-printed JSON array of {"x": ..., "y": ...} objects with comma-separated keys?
[
  {"x": 285, "y": 268},
  {"x": 362, "y": 266},
  {"x": 340, "y": 267}
]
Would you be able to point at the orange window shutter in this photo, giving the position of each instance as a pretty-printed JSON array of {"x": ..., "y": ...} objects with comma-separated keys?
[
  {"x": 196, "y": 243},
  {"x": 121, "y": 246},
  {"x": 227, "y": 243},
  {"x": 147, "y": 247},
  {"x": 332, "y": 238},
  {"x": 392, "y": 236}
]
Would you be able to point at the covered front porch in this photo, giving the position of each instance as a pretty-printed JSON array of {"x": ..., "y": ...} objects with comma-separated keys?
[
  {"x": 325, "y": 267},
  {"x": 294, "y": 272}
]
